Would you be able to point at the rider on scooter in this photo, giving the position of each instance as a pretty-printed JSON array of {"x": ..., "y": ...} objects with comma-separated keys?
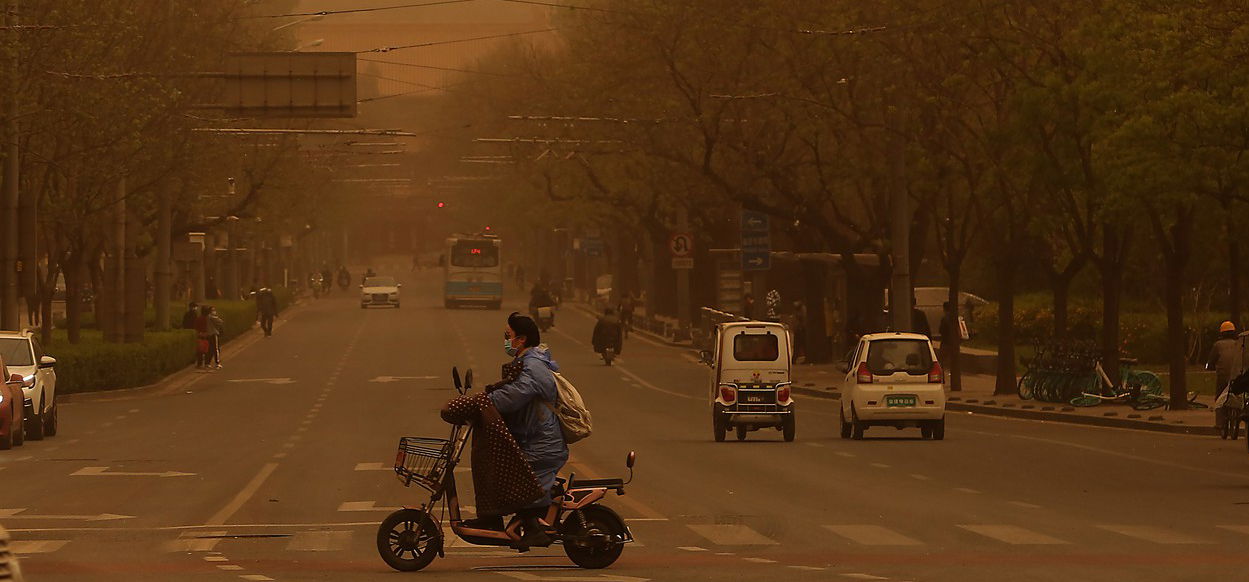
[
  {"x": 608, "y": 333},
  {"x": 521, "y": 398},
  {"x": 540, "y": 297}
]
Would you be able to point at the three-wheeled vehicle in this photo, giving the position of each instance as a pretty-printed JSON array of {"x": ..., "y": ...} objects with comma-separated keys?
[{"x": 750, "y": 379}]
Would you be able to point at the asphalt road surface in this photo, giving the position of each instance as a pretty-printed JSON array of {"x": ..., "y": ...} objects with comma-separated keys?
[{"x": 277, "y": 468}]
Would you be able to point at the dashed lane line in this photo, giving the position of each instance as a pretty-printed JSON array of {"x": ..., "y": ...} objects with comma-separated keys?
[
  {"x": 1013, "y": 535},
  {"x": 732, "y": 535},
  {"x": 872, "y": 535},
  {"x": 1155, "y": 535}
]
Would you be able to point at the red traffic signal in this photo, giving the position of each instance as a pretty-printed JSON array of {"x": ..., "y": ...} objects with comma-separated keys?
[{"x": 442, "y": 205}]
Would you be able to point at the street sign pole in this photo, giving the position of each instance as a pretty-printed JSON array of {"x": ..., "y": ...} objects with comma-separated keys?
[
  {"x": 681, "y": 250},
  {"x": 756, "y": 255}
]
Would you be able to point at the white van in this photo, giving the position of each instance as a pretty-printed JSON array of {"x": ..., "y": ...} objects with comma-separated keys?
[
  {"x": 750, "y": 379},
  {"x": 893, "y": 379}
]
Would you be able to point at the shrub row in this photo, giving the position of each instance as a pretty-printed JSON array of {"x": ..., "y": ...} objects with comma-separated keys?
[
  {"x": 93, "y": 365},
  {"x": 1144, "y": 334}
]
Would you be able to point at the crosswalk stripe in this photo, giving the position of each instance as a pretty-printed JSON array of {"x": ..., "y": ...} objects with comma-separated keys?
[
  {"x": 1244, "y": 529},
  {"x": 37, "y": 546},
  {"x": 1013, "y": 535},
  {"x": 1156, "y": 535},
  {"x": 872, "y": 535},
  {"x": 732, "y": 535},
  {"x": 319, "y": 541}
]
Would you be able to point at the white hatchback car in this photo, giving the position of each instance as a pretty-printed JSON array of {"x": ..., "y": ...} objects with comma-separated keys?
[
  {"x": 379, "y": 291},
  {"x": 24, "y": 355},
  {"x": 893, "y": 379}
]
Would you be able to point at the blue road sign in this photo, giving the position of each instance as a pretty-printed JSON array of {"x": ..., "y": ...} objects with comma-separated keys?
[{"x": 756, "y": 241}]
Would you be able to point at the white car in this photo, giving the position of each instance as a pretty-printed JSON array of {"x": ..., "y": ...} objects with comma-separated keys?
[
  {"x": 893, "y": 379},
  {"x": 379, "y": 291},
  {"x": 24, "y": 355}
]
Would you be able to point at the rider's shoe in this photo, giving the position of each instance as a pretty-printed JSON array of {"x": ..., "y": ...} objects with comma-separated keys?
[{"x": 534, "y": 535}]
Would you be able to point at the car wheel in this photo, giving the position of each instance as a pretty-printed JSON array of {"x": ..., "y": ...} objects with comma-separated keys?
[
  {"x": 34, "y": 424},
  {"x": 741, "y": 432},
  {"x": 938, "y": 430},
  {"x": 856, "y": 426},
  {"x": 925, "y": 430},
  {"x": 51, "y": 420},
  {"x": 789, "y": 426},
  {"x": 845, "y": 426},
  {"x": 719, "y": 426}
]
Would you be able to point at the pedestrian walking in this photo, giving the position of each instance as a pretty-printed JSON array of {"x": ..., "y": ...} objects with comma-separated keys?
[
  {"x": 1222, "y": 359},
  {"x": 188, "y": 318},
  {"x": 266, "y": 310},
  {"x": 919, "y": 320},
  {"x": 203, "y": 338},
  {"x": 217, "y": 327}
]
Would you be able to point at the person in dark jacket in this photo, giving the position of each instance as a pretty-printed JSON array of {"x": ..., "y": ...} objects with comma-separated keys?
[
  {"x": 919, "y": 320},
  {"x": 188, "y": 318},
  {"x": 525, "y": 399},
  {"x": 608, "y": 333},
  {"x": 266, "y": 309}
]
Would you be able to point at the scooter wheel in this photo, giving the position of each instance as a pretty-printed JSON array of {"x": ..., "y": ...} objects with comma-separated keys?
[
  {"x": 408, "y": 540},
  {"x": 592, "y": 539}
]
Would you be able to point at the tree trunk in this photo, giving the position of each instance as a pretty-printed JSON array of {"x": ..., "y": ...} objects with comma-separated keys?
[
  {"x": 1233, "y": 282},
  {"x": 1061, "y": 287},
  {"x": 73, "y": 297},
  {"x": 1176, "y": 334},
  {"x": 952, "y": 338},
  {"x": 135, "y": 284},
  {"x": 1006, "y": 381}
]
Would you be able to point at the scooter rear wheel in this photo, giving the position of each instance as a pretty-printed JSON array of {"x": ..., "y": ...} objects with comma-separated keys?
[
  {"x": 592, "y": 540},
  {"x": 408, "y": 540}
]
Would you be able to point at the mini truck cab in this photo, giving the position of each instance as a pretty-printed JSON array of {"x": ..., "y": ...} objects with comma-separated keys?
[{"x": 750, "y": 379}]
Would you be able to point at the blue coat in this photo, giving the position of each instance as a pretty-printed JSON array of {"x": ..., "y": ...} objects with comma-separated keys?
[{"x": 535, "y": 427}]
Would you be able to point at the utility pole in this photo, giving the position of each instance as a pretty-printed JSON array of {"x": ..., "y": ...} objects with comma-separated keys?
[
  {"x": 9, "y": 316},
  {"x": 900, "y": 238},
  {"x": 164, "y": 261}
]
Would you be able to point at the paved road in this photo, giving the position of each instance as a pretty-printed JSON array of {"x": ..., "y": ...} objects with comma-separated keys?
[{"x": 276, "y": 468}]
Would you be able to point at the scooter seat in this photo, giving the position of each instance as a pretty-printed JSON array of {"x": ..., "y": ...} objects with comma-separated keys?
[{"x": 590, "y": 483}]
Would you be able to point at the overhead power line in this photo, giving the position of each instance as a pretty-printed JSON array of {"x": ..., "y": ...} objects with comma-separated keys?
[
  {"x": 355, "y": 10},
  {"x": 455, "y": 41}
]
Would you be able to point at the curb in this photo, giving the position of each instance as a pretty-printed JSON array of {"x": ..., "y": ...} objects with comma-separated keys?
[{"x": 1045, "y": 415}]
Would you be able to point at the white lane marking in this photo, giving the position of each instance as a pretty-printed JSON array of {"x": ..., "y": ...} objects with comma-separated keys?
[
  {"x": 200, "y": 541},
  {"x": 594, "y": 578},
  {"x": 732, "y": 535},
  {"x": 256, "y": 577},
  {"x": 104, "y": 472},
  {"x": 967, "y": 491},
  {"x": 872, "y": 535},
  {"x": 319, "y": 541},
  {"x": 692, "y": 549},
  {"x": 1025, "y": 504},
  {"x": 19, "y": 513},
  {"x": 279, "y": 455},
  {"x": 362, "y": 506},
  {"x": 390, "y": 379},
  {"x": 229, "y": 567},
  {"x": 881, "y": 465},
  {"x": 860, "y": 576},
  {"x": 646, "y": 384},
  {"x": 806, "y": 568},
  {"x": 243, "y": 495},
  {"x": 1155, "y": 535},
  {"x": 274, "y": 381},
  {"x": 132, "y": 411},
  {"x": 811, "y": 444},
  {"x": 759, "y": 560},
  {"x": 37, "y": 546},
  {"x": 921, "y": 477},
  {"x": 845, "y": 454},
  {"x": 1013, "y": 535},
  {"x": 216, "y": 559},
  {"x": 1244, "y": 529},
  {"x": 373, "y": 467}
]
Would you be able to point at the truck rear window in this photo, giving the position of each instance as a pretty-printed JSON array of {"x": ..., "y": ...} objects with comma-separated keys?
[
  {"x": 885, "y": 357},
  {"x": 756, "y": 347}
]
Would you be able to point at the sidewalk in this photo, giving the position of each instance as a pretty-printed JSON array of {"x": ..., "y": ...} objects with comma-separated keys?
[{"x": 825, "y": 381}]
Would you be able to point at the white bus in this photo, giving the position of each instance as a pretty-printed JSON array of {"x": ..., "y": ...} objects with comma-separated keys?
[{"x": 473, "y": 271}]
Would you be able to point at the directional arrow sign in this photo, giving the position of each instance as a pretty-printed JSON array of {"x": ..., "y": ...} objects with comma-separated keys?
[
  {"x": 274, "y": 381},
  {"x": 389, "y": 379},
  {"x": 14, "y": 514},
  {"x": 104, "y": 472}
]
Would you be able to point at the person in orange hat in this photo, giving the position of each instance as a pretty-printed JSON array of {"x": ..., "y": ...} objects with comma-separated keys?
[{"x": 1222, "y": 358}]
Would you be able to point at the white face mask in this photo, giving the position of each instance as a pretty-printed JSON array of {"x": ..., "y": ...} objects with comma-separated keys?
[{"x": 509, "y": 348}]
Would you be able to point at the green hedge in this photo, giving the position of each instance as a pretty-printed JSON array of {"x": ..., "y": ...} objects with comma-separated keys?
[
  {"x": 1143, "y": 333},
  {"x": 93, "y": 365}
]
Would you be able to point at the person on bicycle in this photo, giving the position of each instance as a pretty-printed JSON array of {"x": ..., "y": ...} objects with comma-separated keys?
[
  {"x": 526, "y": 398},
  {"x": 627, "y": 305},
  {"x": 1222, "y": 359},
  {"x": 608, "y": 333}
]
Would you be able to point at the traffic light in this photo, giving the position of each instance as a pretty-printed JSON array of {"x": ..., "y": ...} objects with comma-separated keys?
[{"x": 442, "y": 205}]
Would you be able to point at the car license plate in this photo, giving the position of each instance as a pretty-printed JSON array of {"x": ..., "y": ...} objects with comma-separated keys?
[
  {"x": 755, "y": 399},
  {"x": 473, "y": 288},
  {"x": 901, "y": 401}
]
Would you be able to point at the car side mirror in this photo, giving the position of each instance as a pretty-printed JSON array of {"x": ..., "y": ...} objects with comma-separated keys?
[
  {"x": 47, "y": 362},
  {"x": 15, "y": 378},
  {"x": 399, "y": 285},
  {"x": 704, "y": 356},
  {"x": 455, "y": 378},
  {"x": 844, "y": 367},
  {"x": 468, "y": 380},
  {"x": 631, "y": 459}
]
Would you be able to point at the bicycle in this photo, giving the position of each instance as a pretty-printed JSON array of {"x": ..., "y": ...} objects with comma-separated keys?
[
  {"x": 1231, "y": 410},
  {"x": 1141, "y": 389}
]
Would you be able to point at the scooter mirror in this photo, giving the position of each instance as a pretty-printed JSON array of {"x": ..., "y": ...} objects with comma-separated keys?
[
  {"x": 455, "y": 377},
  {"x": 468, "y": 379},
  {"x": 631, "y": 459}
]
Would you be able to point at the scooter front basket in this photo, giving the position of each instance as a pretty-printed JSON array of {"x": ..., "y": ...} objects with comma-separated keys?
[{"x": 423, "y": 461}]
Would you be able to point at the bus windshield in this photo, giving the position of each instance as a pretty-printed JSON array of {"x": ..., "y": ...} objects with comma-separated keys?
[{"x": 474, "y": 254}]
